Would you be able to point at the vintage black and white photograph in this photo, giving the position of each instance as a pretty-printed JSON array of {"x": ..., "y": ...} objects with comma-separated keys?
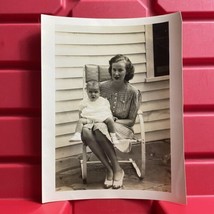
[{"x": 110, "y": 91}]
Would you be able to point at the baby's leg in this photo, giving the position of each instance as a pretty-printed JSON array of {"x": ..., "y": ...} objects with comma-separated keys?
[
  {"x": 80, "y": 123},
  {"x": 77, "y": 135},
  {"x": 110, "y": 124}
]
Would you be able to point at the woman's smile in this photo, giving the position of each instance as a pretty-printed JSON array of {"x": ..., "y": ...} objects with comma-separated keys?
[{"x": 117, "y": 77}]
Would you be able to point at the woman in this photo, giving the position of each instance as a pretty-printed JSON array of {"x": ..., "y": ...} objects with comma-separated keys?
[{"x": 124, "y": 102}]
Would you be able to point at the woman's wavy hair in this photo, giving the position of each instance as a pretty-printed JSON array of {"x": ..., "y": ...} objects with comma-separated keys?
[{"x": 129, "y": 66}]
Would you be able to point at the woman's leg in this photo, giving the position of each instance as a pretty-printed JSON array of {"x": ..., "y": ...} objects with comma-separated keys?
[
  {"x": 89, "y": 139},
  {"x": 110, "y": 152}
]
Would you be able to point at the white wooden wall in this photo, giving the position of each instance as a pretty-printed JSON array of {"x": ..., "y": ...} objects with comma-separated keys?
[{"x": 77, "y": 46}]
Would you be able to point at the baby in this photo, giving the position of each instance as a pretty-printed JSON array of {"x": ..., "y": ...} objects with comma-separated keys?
[{"x": 94, "y": 109}]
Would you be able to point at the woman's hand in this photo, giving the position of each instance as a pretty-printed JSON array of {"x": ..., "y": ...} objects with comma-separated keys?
[{"x": 115, "y": 119}]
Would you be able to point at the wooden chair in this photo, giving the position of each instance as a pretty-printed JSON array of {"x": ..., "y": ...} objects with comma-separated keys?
[{"x": 100, "y": 73}]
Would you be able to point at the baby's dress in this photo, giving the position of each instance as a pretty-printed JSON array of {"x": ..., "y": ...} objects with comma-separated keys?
[{"x": 98, "y": 110}]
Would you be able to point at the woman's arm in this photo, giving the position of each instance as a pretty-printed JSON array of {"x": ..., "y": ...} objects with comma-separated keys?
[
  {"x": 126, "y": 122},
  {"x": 134, "y": 106}
]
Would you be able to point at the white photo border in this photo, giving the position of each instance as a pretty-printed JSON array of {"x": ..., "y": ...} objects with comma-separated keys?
[{"x": 178, "y": 189}]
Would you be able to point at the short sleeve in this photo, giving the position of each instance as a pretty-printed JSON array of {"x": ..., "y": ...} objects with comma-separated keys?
[
  {"x": 135, "y": 104},
  {"x": 107, "y": 104}
]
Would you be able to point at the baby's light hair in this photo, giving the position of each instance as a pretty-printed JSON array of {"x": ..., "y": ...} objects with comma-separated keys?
[{"x": 93, "y": 83}]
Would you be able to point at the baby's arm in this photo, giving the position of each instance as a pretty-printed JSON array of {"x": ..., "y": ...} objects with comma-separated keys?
[
  {"x": 83, "y": 105},
  {"x": 97, "y": 121},
  {"x": 84, "y": 120}
]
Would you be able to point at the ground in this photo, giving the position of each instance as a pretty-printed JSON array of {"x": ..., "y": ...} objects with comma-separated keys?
[{"x": 157, "y": 177}]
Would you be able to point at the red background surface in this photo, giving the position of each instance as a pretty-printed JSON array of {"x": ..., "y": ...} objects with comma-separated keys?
[{"x": 20, "y": 103}]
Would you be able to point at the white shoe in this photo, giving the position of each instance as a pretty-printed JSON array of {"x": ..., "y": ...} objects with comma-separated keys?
[{"x": 76, "y": 137}]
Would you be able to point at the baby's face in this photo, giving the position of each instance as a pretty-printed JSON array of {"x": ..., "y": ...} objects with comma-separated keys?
[{"x": 93, "y": 92}]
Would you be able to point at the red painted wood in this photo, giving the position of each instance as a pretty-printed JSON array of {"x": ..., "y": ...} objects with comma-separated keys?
[
  {"x": 26, "y": 45},
  {"x": 20, "y": 89},
  {"x": 112, "y": 206},
  {"x": 198, "y": 87},
  {"x": 23, "y": 134},
  {"x": 198, "y": 134},
  {"x": 20, "y": 44},
  {"x": 21, "y": 206},
  {"x": 193, "y": 8},
  {"x": 20, "y": 142},
  {"x": 20, "y": 138},
  {"x": 30, "y": 6},
  {"x": 195, "y": 205},
  {"x": 110, "y": 9},
  {"x": 196, "y": 42},
  {"x": 19, "y": 180},
  {"x": 28, "y": 10},
  {"x": 199, "y": 176}
]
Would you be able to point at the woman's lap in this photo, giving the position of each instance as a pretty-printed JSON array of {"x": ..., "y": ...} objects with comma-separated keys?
[
  {"x": 122, "y": 131},
  {"x": 99, "y": 134}
]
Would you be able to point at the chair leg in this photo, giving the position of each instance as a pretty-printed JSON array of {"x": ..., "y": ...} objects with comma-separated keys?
[
  {"x": 143, "y": 159},
  {"x": 84, "y": 165},
  {"x": 138, "y": 171}
]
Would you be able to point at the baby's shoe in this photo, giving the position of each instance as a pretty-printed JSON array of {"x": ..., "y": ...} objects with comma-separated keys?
[
  {"x": 75, "y": 137},
  {"x": 114, "y": 138}
]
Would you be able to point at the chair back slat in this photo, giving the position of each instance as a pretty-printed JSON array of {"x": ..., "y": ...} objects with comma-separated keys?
[
  {"x": 104, "y": 73},
  {"x": 91, "y": 73},
  {"x": 96, "y": 72}
]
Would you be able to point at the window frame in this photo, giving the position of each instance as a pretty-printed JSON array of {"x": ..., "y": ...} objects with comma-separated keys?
[{"x": 150, "y": 66}]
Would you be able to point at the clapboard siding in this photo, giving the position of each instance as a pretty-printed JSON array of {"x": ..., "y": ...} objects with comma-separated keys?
[
  {"x": 155, "y": 105},
  {"x": 98, "y": 29},
  {"x": 68, "y": 50},
  {"x": 65, "y": 128},
  {"x": 155, "y": 95},
  {"x": 70, "y": 94},
  {"x": 154, "y": 86},
  {"x": 69, "y": 127},
  {"x": 153, "y": 126},
  {"x": 158, "y": 135},
  {"x": 70, "y": 105},
  {"x": 63, "y": 140},
  {"x": 71, "y": 83},
  {"x": 64, "y": 38},
  {"x": 76, "y": 60},
  {"x": 73, "y": 72},
  {"x": 72, "y": 116},
  {"x": 66, "y": 117},
  {"x": 77, "y": 46},
  {"x": 156, "y": 115}
]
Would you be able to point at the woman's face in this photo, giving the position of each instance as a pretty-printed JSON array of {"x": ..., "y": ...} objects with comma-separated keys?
[{"x": 118, "y": 71}]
